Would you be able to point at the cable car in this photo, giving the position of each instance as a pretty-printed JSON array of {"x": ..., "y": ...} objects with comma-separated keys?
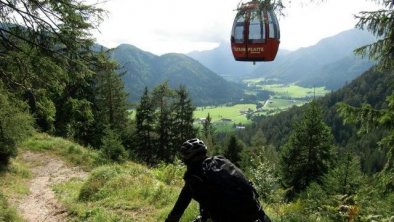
[{"x": 255, "y": 34}]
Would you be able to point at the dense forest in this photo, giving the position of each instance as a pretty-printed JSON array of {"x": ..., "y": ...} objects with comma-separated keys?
[{"x": 331, "y": 160}]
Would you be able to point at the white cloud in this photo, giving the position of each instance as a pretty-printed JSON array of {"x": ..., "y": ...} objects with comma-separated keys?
[
  {"x": 305, "y": 25},
  {"x": 185, "y": 25}
]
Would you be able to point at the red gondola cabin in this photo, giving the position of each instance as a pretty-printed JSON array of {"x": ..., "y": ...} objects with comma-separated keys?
[{"x": 255, "y": 34}]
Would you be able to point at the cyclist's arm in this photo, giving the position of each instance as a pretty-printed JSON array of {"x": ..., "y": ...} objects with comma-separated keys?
[{"x": 181, "y": 204}]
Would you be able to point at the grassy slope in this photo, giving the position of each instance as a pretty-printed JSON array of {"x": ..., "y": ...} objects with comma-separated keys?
[{"x": 113, "y": 192}]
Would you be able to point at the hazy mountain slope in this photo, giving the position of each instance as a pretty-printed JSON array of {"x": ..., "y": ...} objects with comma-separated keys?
[
  {"x": 310, "y": 65},
  {"x": 337, "y": 74},
  {"x": 297, "y": 65},
  {"x": 221, "y": 61},
  {"x": 145, "y": 69}
]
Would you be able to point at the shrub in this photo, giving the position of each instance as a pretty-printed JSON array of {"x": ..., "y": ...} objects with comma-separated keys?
[
  {"x": 112, "y": 147},
  {"x": 170, "y": 174},
  {"x": 15, "y": 125},
  {"x": 97, "y": 180}
]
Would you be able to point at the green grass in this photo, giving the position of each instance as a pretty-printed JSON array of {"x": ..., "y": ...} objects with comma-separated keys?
[
  {"x": 127, "y": 192},
  {"x": 112, "y": 192},
  {"x": 13, "y": 184},
  {"x": 285, "y": 96},
  {"x": 293, "y": 91},
  {"x": 229, "y": 112},
  {"x": 254, "y": 81},
  {"x": 7, "y": 213},
  {"x": 86, "y": 158},
  {"x": 283, "y": 104}
]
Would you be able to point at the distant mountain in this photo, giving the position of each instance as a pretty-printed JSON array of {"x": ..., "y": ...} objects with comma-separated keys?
[
  {"x": 307, "y": 64},
  {"x": 337, "y": 74},
  {"x": 146, "y": 69},
  {"x": 221, "y": 61},
  {"x": 312, "y": 65}
]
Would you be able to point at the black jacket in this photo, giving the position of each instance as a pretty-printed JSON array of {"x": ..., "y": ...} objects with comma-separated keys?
[
  {"x": 197, "y": 188},
  {"x": 194, "y": 188}
]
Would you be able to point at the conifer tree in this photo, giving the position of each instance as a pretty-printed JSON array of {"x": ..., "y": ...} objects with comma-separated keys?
[
  {"x": 111, "y": 146},
  {"x": 208, "y": 134},
  {"x": 307, "y": 154},
  {"x": 207, "y": 127},
  {"x": 183, "y": 117},
  {"x": 381, "y": 24},
  {"x": 345, "y": 178},
  {"x": 145, "y": 120},
  {"x": 162, "y": 98},
  {"x": 233, "y": 150},
  {"x": 110, "y": 98}
]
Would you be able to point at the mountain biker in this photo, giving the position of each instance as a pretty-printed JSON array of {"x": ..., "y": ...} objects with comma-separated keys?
[{"x": 193, "y": 153}]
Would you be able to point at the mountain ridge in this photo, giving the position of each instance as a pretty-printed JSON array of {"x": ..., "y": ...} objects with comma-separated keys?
[
  {"x": 143, "y": 69},
  {"x": 295, "y": 66}
]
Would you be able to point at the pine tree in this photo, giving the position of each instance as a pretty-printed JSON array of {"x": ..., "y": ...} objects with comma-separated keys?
[
  {"x": 307, "y": 154},
  {"x": 381, "y": 24},
  {"x": 110, "y": 98},
  {"x": 183, "y": 117},
  {"x": 145, "y": 120},
  {"x": 345, "y": 178},
  {"x": 162, "y": 99},
  {"x": 263, "y": 169},
  {"x": 111, "y": 146},
  {"x": 207, "y": 127},
  {"x": 233, "y": 150},
  {"x": 208, "y": 135}
]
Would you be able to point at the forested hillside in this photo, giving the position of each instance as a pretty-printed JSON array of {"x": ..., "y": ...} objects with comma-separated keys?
[
  {"x": 143, "y": 69},
  {"x": 372, "y": 87}
]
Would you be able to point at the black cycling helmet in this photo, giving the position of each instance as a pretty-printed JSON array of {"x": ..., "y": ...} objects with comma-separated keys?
[{"x": 192, "y": 148}]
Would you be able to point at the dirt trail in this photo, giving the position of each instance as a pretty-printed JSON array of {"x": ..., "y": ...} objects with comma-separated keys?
[{"x": 41, "y": 204}]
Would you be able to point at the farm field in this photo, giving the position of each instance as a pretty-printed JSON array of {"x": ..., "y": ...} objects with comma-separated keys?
[
  {"x": 286, "y": 90},
  {"x": 279, "y": 104},
  {"x": 219, "y": 113},
  {"x": 283, "y": 97},
  {"x": 294, "y": 91}
]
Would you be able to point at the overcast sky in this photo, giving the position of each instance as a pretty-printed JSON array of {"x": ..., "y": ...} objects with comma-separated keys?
[{"x": 163, "y": 26}]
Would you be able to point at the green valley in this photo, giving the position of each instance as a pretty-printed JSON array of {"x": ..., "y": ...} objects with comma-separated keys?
[{"x": 282, "y": 97}]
